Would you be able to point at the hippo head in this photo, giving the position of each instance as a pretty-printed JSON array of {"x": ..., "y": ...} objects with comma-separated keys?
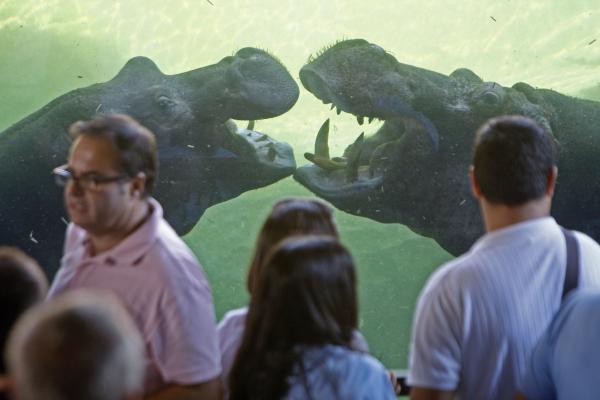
[
  {"x": 414, "y": 169},
  {"x": 204, "y": 157}
]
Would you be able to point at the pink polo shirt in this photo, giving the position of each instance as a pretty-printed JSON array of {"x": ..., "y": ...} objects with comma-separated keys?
[{"x": 164, "y": 289}]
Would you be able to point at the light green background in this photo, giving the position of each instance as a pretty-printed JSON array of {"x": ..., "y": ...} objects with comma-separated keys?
[{"x": 50, "y": 47}]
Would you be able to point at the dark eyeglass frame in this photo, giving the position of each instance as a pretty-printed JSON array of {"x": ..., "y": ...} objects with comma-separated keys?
[{"x": 92, "y": 181}]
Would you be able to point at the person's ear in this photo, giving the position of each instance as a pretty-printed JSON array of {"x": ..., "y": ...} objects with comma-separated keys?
[
  {"x": 551, "y": 180},
  {"x": 474, "y": 184},
  {"x": 138, "y": 184}
]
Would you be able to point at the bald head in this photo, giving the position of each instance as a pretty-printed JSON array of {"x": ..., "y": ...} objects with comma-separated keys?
[{"x": 79, "y": 346}]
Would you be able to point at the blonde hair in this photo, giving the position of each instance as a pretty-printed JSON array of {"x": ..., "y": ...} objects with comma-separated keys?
[{"x": 81, "y": 345}]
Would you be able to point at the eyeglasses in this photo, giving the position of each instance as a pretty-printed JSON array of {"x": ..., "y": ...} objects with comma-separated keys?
[{"x": 91, "y": 181}]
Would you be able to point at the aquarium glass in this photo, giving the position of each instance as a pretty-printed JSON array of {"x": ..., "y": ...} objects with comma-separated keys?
[{"x": 48, "y": 48}]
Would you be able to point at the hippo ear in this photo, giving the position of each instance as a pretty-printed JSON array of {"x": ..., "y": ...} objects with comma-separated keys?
[
  {"x": 464, "y": 74},
  {"x": 136, "y": 67},
  {"x": 529, "y": 91}
]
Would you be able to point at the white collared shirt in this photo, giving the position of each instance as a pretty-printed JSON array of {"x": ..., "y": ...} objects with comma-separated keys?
[{"x": 480, "y": 315}]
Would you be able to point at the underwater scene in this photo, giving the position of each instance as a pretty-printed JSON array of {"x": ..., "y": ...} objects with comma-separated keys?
[{"x": 369, "y": 105}]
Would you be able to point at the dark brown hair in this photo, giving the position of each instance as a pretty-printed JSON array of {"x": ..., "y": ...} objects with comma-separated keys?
[
  {"x": 306, "y": 296},
  {"x": 135, "y": 143},
  {"x": 291, "y": 216},
  {"x": 22, "y": 284},
  {"x": 512, "y": 157}
]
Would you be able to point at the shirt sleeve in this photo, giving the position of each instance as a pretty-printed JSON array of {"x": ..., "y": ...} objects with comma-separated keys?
[
  {"x": 184, "y": 344},
  {"x": 435, "y": 355},
  {"x": 230, "y": 331}
]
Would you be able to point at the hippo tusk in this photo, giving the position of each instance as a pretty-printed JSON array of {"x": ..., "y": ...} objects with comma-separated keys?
[
  {"x": 322, "y": 140},
  {"x": 354, "y": 158},
  {"x": 250, "y": 126},
  {"x": 321, "y": 156},
  {"x": 231, "y": 126}
]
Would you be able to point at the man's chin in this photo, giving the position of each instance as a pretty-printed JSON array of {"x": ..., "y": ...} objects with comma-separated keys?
[{"x": 79, "y": 220}]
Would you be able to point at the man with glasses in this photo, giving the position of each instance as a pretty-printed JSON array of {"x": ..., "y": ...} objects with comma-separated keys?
[{"x": 118, "y": 241}]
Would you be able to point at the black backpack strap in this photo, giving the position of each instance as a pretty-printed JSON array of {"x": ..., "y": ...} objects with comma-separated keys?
[{"x": 572, "y": 270}]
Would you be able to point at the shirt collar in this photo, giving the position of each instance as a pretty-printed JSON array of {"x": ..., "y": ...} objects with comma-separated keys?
[
  {"x": 131, "y": 250},
  {"x": 526, "y": 230}
]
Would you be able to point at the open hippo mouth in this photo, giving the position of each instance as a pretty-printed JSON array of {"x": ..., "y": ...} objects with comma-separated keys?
[
  {"x": 413, "y": 169},
  {"x": 406, "y": 138},
  {"x": 236, "y": 160},
  {"x": 270, "y": 160}
]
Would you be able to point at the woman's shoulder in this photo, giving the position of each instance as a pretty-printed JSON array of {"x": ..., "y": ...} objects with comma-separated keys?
[
  {"x": 353, "y": 358},
  {"x": 338, "y": 372},
  {"x": 347, "y": 364}
]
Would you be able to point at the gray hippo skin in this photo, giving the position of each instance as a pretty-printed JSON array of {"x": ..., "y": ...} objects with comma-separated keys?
[
  {"x": 413, "y": 170},
  {"x": 204, "y": 158}
]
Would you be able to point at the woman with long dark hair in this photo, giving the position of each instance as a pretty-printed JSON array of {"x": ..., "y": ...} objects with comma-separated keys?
[
  {"x": 299, "y": 329},
  {"x": 290, "y": 216}
]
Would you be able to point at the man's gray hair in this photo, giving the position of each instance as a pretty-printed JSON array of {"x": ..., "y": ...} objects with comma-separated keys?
[{"x": 81, "y": 345}]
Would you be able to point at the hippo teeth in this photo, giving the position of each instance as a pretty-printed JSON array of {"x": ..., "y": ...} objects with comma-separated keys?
[
  {"x": 354, "y": 158},
  {"x": 332, "y": 106},
  {"x": 322, "y": 140},
  {"x": 231, "y": 126},
  {"x": 321, "y": 155},
  {"x": 350, "y": 164},
  {"x": 338, "y": 110},
  {"x": 360, "y": 119}
]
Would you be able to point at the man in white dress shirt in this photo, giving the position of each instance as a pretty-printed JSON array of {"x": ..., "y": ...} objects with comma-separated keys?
[{"x": 480, "y": 315}]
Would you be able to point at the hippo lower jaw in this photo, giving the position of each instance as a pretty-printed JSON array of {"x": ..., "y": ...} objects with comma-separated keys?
[
  {"x": 364, "y": 163},
  {"x": 333, "y": 184},
  {"x": 272, "y": 155},
  {"x": 238, "y": 157}
]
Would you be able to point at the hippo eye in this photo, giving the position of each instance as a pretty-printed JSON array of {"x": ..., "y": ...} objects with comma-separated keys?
[
  {"x": 165, "y": 102},
  {"x": 490, "y": 98}
]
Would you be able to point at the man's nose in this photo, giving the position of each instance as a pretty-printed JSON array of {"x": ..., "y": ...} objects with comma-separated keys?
[{"x": 73, "y": 188}]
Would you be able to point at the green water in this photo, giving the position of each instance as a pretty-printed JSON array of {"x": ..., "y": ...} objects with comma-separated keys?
[{"x": 50, "y": 47}]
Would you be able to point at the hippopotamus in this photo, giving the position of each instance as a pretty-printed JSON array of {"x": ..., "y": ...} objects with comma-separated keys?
[
  {"x": 414, "y": 169},
  {"x": 204, "y": 158}
]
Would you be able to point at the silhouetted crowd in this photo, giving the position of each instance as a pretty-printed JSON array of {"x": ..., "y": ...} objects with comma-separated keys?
[{"x": 130, "y": 314}]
